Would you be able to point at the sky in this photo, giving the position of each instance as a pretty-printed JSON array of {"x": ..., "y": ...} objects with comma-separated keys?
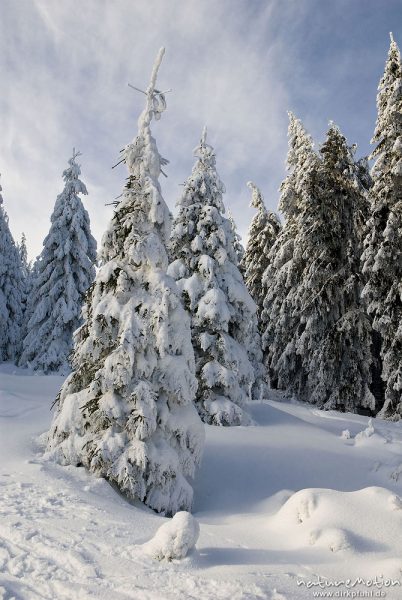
[{"x": 236, "y": 66}]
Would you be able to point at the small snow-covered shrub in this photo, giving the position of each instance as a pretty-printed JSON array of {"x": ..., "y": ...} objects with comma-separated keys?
[
  {"x": 367, "y": 432},
  {"x": 174, "y": 539},
  {"x": 223, "y": 412}
]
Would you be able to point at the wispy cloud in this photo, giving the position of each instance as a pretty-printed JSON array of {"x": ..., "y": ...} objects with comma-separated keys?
[{"x": 235, "y": 65}]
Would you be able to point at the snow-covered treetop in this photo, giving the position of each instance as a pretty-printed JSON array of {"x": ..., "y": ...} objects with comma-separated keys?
[
  {"x": 204, "y": 181},
  {"x": 301, "y": 156},
  {"x": 1, "y": 197},
  {"x": 300, "y": 142},
  {"x": 71, "y": 177},
  {"x": 342, "y": 184},
  {"x": 340, "y": 163},
  {"x": 265, "y": 225},
  {"x": 23, "y": 252},
  {"x": 389, "y": 93},
  {"x": 207, "y": 163},
  {"x": 338, "y": 157},
  {"x": 204, "y": 151},
  {"x": 262, "y": 234},
  {"x": 144, "y": 161},
  {"x": 256, "y": 197}
]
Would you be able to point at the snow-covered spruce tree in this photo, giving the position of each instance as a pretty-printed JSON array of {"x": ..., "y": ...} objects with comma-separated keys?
[
  {"x": 26, "y": 273},
  {"x": 62, "y": 275},
  {"x": 280, "y": 320},
  {"x": 363, "y": 174},
  {"x": 335, "y": 339},
  {"x": 264, "y": 230},
  {"x": 223, "y": 314},
  {"x": 23, "y": 252},
  {"x": 382, "y": 256},
  {"x": 11, "y": 291},
  {"x": 126, "y": 411}
]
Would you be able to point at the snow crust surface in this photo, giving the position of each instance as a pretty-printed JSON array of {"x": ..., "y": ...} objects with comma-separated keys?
[{"x": 281, "y": 503}]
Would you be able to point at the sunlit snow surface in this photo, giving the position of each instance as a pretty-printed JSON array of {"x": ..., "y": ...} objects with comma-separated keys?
[{"x": 279, "y": 504}]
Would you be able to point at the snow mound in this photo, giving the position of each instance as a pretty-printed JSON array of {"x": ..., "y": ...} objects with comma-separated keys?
[
  {"x": 174, "y": 539},
  {"x": 337, "y": 521}
]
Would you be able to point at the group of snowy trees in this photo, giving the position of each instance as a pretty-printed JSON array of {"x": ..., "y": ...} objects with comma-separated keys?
[
  {"x": 329, "y": 287},
  {"x": 316, "y": 333},
  {"x": 169, "y": 337},
  {"x": 180, "y": 325}
]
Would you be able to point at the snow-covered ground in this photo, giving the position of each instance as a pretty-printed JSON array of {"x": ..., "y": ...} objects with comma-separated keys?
[{"x": 280, "y": 504}]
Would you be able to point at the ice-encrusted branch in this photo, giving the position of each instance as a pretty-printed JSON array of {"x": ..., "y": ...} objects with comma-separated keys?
[
  {"x": 155, "y": 69},
  {"x": 156, "y": 102},
  {"x": 204, "y": 136},
  {"x": 76, "y": 154}
]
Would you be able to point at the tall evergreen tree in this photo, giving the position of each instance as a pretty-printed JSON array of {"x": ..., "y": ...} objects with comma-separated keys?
[
  {"x": 27, "y": 277},
  {"x": 237, "y": 245},
  {"x": 280, "y": 319},
  {"x": 11, "y": 291},
  {"x": 335, "y": 333},
  {"x": 264, "y": 230},
  {"x": 23, "y": 252},
  {"x": 382, "y": 256},
  {"x": 223, "y": 314},
  {"x": 365, "y": 180},
  {"x": 63, "y": 273},
  {"x": 126, "y": 411}
]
